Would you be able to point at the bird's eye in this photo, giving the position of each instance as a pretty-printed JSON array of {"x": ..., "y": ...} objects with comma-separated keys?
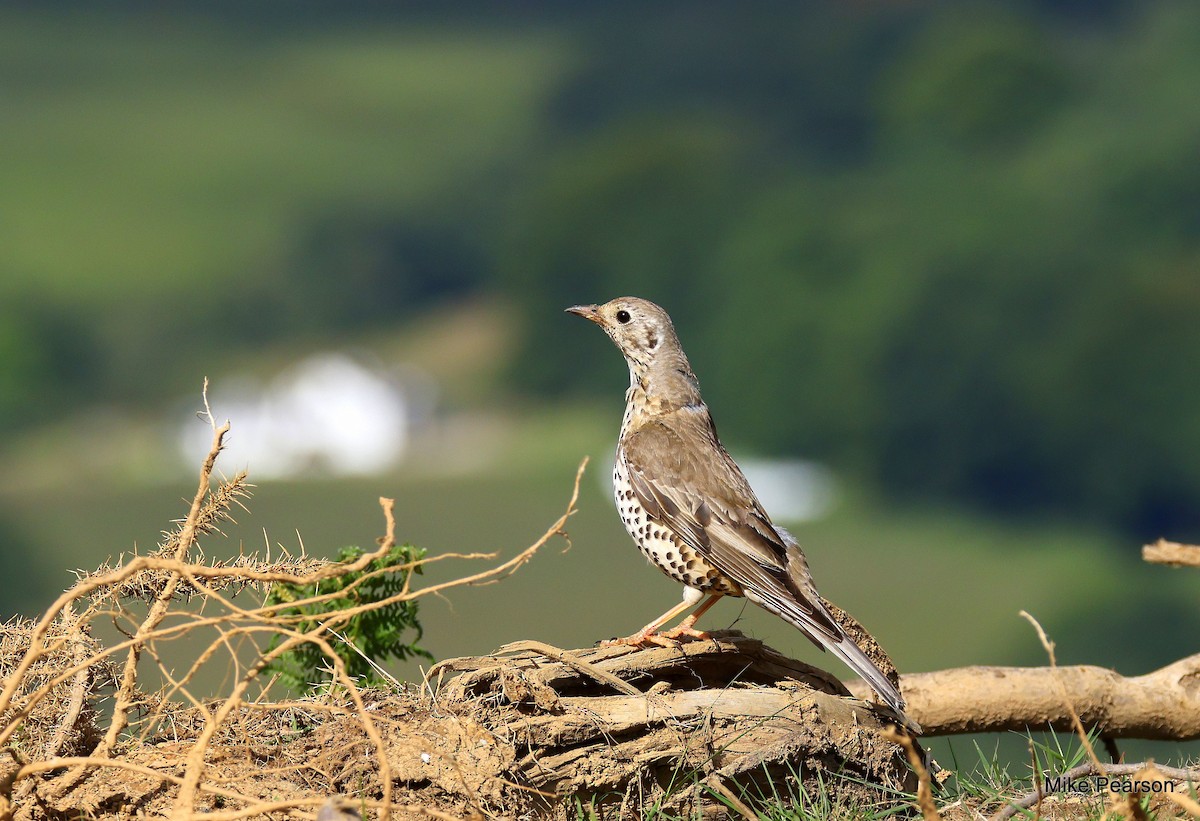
[{"x": 623, "y": 316}]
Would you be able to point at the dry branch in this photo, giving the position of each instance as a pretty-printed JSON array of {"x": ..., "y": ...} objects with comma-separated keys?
[
  {"x": 916, "y": 760},
  {"x": 1164, "y": 704},
  {"x": 1172, "y": 553}
]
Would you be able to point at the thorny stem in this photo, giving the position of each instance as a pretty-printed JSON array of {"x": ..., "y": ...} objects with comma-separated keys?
[{"x": 187, "y": 535}]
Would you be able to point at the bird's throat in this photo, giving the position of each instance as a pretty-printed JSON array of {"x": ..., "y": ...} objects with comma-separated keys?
[{"x": 653, "y": 394}]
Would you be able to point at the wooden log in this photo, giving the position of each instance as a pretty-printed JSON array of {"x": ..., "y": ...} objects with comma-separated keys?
[{"x": 1163, "y": 704}]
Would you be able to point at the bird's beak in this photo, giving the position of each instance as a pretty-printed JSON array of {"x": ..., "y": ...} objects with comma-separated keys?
[{"x": 591, "y": 312}]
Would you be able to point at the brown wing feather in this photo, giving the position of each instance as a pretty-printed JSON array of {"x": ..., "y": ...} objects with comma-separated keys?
[{"x": 698, "y": 491}]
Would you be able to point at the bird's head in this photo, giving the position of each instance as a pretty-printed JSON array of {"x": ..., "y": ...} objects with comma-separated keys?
[{"x": 641, "y": 330}]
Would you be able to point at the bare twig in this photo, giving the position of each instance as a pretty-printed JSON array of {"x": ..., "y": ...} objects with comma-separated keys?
[
  {"x": 1139, "y": 772},
  {"x": 389, "y": 515},
  {"x": 925, "y": 801},
  {"x": 1172, "y": 553},
  {"x": 189, "y": 571},
  {"x": 195, "y": 765},
  {"x": 716, "y": 783},
  {"x": 1067, "y": 703},
  {"x": 186, "y": 536},
  {"x": 80, "y": 655},
  {"x": 171, "y": 573}
]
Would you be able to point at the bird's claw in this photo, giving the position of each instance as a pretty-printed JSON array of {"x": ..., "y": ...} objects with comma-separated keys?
[
  {"x": 667, "y": 638},
  {"x": 636, "y": 640},
  {"x": 691, "y": 633}
]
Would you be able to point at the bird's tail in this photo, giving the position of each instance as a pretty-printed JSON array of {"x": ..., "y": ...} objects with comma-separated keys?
[
  {"x": 823, "y": 630},
  {"x": 857, "y": 660},
  {"x": 846, "y": 650}
]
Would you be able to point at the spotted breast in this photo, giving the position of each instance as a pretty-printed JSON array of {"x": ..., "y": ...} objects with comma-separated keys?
[{"x": 661, "y": 546}]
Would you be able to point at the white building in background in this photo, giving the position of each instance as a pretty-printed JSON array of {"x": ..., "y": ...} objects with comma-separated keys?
[
  {"x": 328, "y": 415},
  {"x": 792, "y": 490}
]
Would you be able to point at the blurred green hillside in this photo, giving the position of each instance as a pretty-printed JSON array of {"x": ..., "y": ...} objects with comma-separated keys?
[
  {"x": 952, "y": 249},
  {"x": 178, "y": 187}
]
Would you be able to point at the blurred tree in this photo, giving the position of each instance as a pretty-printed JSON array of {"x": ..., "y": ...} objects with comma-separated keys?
[
  {"x": 957, "y": 420},
  {"x": 353, "y": 268},
  {"x": 802, "y": 74},
  {"x": 950, "y": 249},
  {"x": 634, "y": 210},
  {"x": 799, "y": 315},
  {"x": 47, "y": 361},
  {"x": 975, "y": 77},
  {"x": 25, "y": 597}
]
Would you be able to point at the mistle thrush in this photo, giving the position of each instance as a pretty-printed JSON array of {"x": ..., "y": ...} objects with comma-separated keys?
[{"x": 688, "y": 507}]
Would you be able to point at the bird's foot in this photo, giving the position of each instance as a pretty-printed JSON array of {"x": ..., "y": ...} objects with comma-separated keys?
[
  {"x": 639, "y": 639},
  {"x": 667, "y": 638},
  {"x": 685, "y": 632}
]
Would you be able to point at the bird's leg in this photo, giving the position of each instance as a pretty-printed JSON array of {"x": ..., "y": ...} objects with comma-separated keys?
[
  {"x": 650, "y": 635},
  {"x": 685, "y": 627}
]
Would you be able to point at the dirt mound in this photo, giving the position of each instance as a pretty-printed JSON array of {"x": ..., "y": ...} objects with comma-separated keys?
[{"x": 515, "y": 733}]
